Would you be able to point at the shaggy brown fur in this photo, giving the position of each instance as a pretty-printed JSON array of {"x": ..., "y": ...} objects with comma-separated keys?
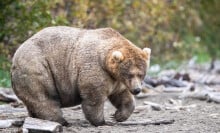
[{"x": 62, "y": 66}]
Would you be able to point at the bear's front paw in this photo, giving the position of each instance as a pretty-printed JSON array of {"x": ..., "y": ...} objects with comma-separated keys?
[
  {"x": 97, "y": 123},
  {"x": 121, "y": 116}
]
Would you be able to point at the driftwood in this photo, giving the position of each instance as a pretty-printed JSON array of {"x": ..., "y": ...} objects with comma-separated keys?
[
  {"x": 5, "y": 123},
  {"x": 11, "y": 123},
  {"x": 184, "y": 76},
  {"x": 174, "y": 102},
  {"x": 203, "y": 93},
  {"x": 139, "y": 109},
  {"x": 177, "y": 105},
  {"x": 164, "y": 81},
  {"x": 154, "y": 106},
  {"x": 144, "y": 95},
  {"x": 212, "y": 83},
  {"x": 214, "y": 97},
  {"x": 147, "y": 122},
  {"x": 7, "y": 97},
  {"x": 173, "y": 105},
  {"x": 162, "y": 94},
  {"x": 174, "y": 89},
  {"x": 78, "y": 107},
  {"x": 151, "y": 92},
  {"x": 9, "y": 112},
  {"x": 187, "y": 107},
  {"x": 38, "y": 125}
]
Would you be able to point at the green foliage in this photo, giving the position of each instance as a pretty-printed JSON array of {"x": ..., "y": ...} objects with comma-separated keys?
[
  {"x": 5, "y": 78},
  {"x": 4, "y": 72},
  {"x": 176, "y": 30},
  {"x": 19, "y": 20}
]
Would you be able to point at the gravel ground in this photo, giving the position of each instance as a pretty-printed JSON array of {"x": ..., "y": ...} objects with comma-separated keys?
[{"x": 205, "y": 117}]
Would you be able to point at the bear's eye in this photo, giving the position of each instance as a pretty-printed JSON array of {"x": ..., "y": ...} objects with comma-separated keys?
[
  {"x": 130, "y": 76},
  {"x": 140, "y": 75}
]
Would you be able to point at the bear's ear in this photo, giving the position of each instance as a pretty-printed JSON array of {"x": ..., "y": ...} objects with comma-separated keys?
[
  {"x": 117, "y": 56},
  {"x": 147, "y": 51}
]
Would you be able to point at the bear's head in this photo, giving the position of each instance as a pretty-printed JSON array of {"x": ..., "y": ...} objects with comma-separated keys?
[{"x": 129, "y": 65}]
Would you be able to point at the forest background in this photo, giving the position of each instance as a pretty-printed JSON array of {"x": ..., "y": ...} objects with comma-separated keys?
[{"x": 175, "y": 30}]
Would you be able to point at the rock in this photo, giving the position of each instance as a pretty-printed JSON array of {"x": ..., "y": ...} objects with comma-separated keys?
[{"x": 42, "y": 126}]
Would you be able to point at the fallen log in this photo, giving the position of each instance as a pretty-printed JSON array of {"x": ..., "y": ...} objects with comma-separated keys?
[
  {"x": 38, "y": 125},
  {"x": 147, "y": 122}
]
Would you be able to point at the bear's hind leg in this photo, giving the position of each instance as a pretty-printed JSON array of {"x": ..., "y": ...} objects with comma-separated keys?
[
  {"x": 35, "y": 87},
  {"x": 125, "y": 104},
  {"x": 46, "y": 110}
]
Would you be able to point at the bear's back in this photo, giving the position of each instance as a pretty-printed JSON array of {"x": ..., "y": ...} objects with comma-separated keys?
[
  {"x": 47, "y": 41},
  {"x": 58, "y": 39}
]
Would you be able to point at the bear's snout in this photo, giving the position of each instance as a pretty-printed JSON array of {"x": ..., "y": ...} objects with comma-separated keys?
[
  {"x": 136, "y": 91},
  {"x": 135, "y": 85}
]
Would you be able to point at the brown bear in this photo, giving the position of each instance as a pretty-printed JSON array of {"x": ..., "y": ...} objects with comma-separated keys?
[{"x": 63, "y": 66}]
